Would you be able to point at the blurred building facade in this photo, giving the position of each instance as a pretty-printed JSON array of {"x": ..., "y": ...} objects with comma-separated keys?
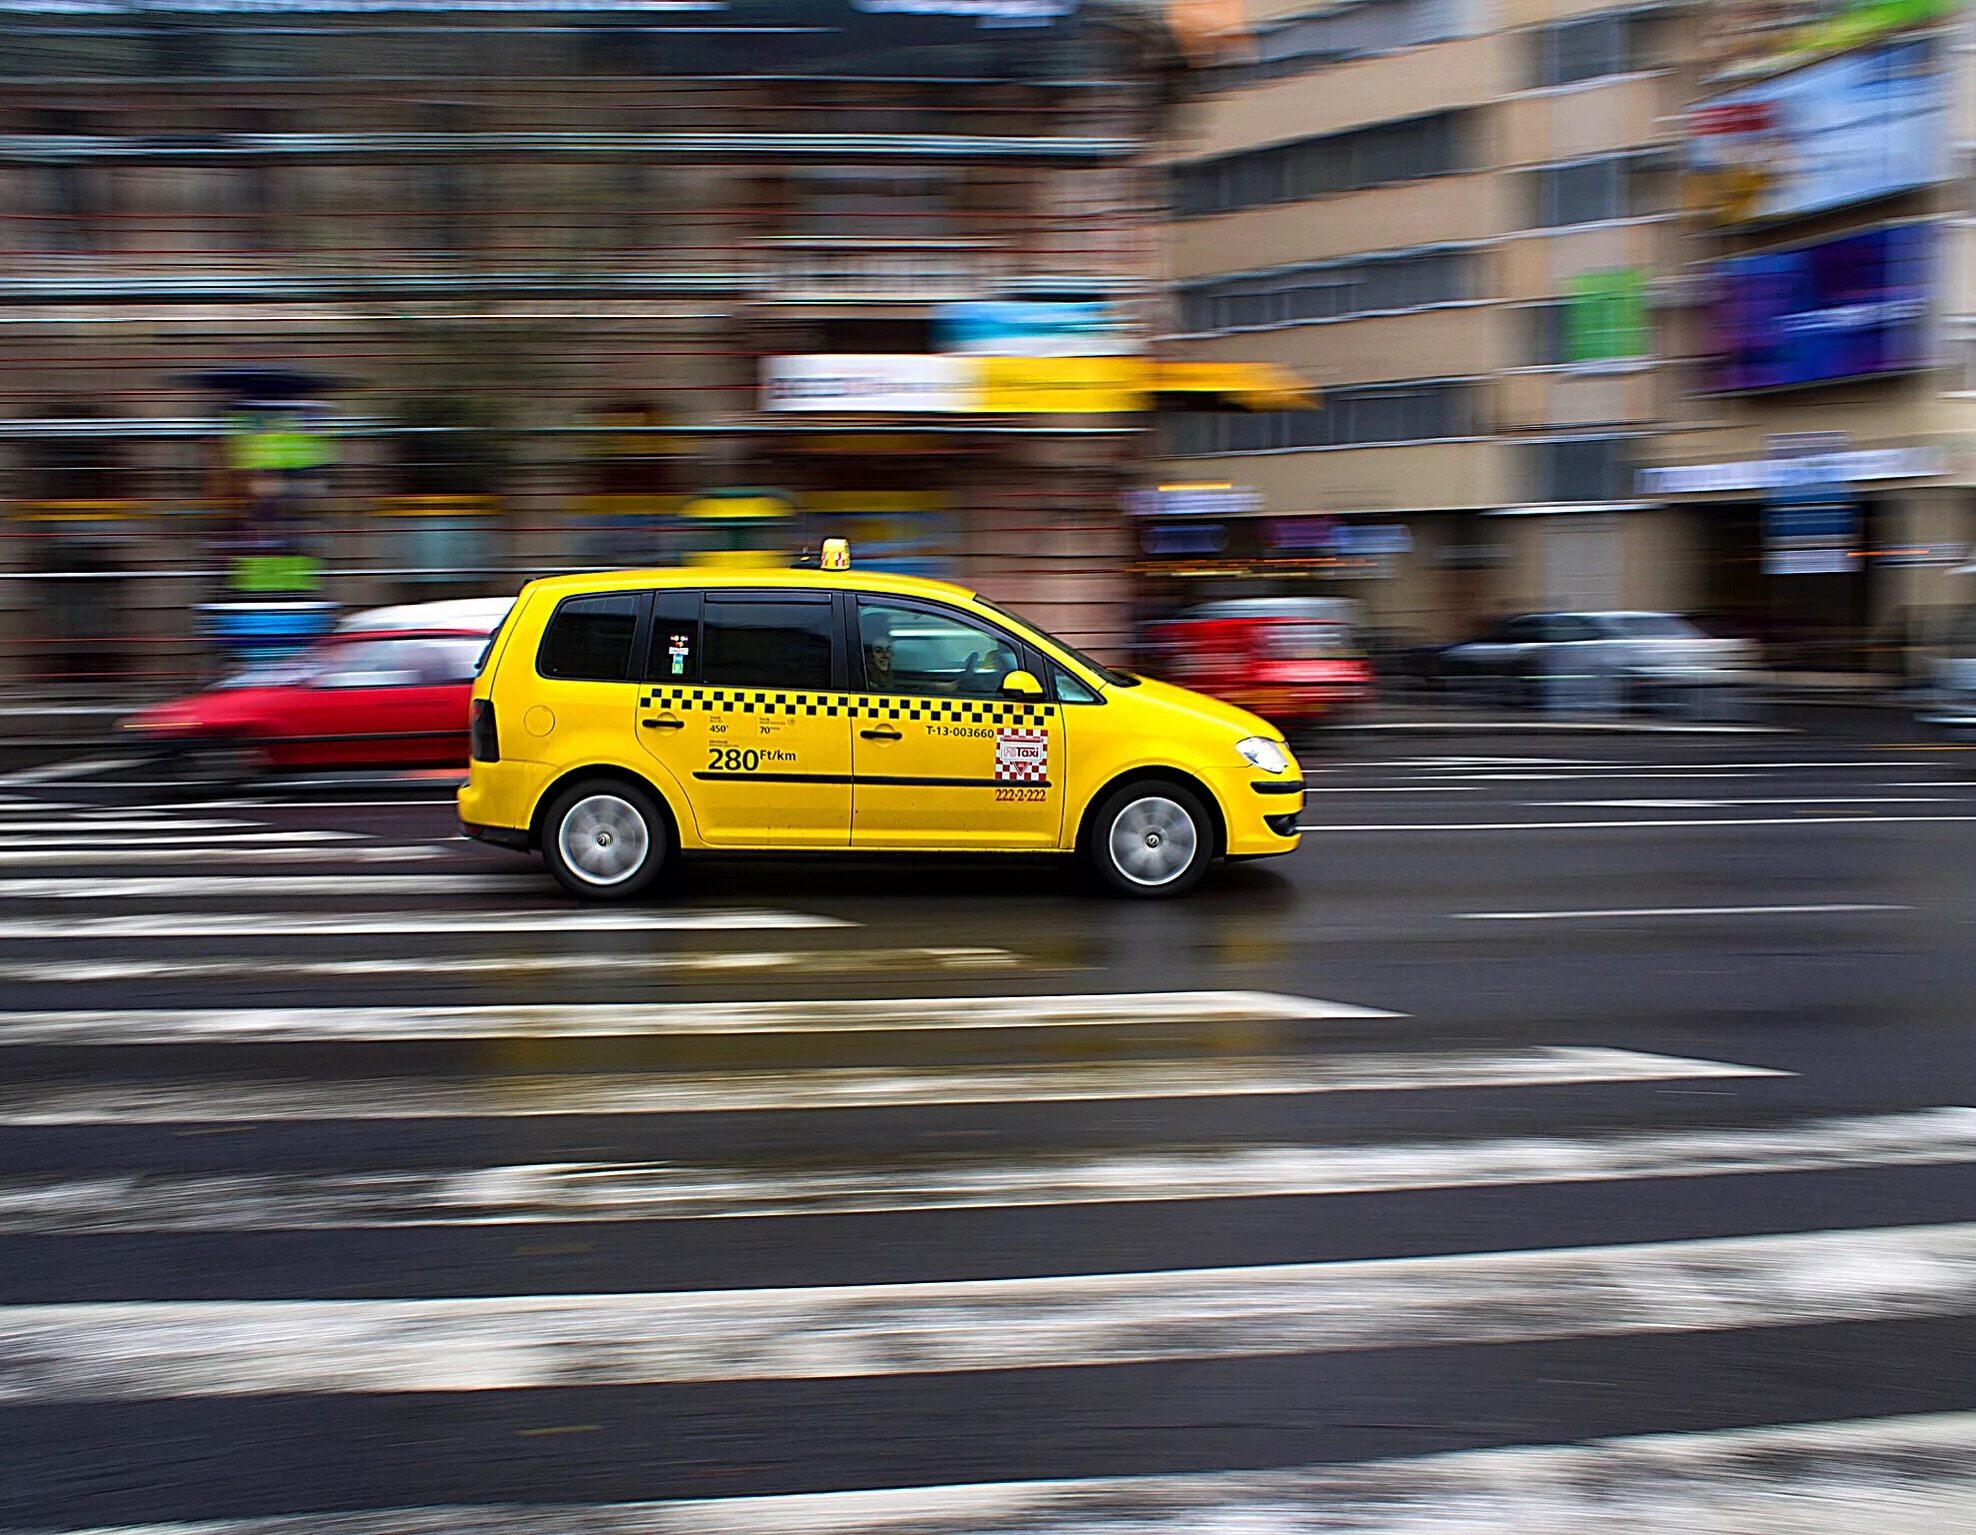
[
  {"x": 311, "y": 307},
  {"x": 1576, "y": 281}
]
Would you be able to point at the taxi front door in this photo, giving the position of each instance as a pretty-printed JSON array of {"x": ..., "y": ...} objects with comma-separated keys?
[
  {"x": 941, "y": 759},
  {"x": 744, "y": 700}
]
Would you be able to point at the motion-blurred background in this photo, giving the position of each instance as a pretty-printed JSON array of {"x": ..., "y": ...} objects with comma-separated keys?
[{"x": 1455, "y": 309}]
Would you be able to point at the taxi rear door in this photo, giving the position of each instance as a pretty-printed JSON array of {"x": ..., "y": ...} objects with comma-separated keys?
[
  {"x": 941, "y": 759},
  {"x": 744, "y": 699}
]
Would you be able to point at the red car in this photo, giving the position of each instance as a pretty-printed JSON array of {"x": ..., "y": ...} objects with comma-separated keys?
[
  {"x": 382, "y": 697},
  {"x": 1295, "y": 661}
]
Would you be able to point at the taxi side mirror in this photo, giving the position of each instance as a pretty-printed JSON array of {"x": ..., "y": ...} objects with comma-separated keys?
[{"x": 1021, "y": 685}]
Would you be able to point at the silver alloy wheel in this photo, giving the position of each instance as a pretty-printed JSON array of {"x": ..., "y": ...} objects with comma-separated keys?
[
  {"x": 1152, "y": 841},
  {"x": 603, "y": 839}
]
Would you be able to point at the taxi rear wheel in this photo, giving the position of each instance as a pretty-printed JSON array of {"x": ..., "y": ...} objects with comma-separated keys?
[
  {"x": 605, "y": 840},
  {"x": 1150, "y": 840}
]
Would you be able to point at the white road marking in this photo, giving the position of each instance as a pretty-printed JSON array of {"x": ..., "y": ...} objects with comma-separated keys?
[
  {"x": 115, "y": 838},
  {"x": 518, "y": 966},
  {"x": 644, "y": 1191},
  {"x": 240, "y": 1100},
  {"x": 56, "y": 772},
  {"x": 1674, "y": 911},
  {"x": 1718, "y": 804},
  {"x": 83, "y": 824},
  {"x": 139, "y": 1350},
  {"x": 1659, "y": 769},
  {"x": 250, "y": 924},
  {"x": 1781, "y": 820},
  {"x": 1913, "y": 1475},
  {"x": 600, "y": 1020},
  {"x": 210, "y": 852},
  {"x": 420, "y": 888},
  {"x": 1418, "y": 788},
  {"x": 1574, "y": 727}
]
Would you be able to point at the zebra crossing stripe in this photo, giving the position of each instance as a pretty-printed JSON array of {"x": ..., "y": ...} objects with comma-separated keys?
[
  {"x": 1910, "y": 1475},
  {"x": 83, "y": 823},
  {"x": 229, "y": 852},
  {"x": 261, "y": 1025},
  {"x": 604, "y": 1191},
  {"x": 513, "y": 924},
  {"x": 709, "y": 965},
  {"x": 145, "y": 887},
  {"x": 244, "y": 1100},
  {"x": 150, "y": 1350}
]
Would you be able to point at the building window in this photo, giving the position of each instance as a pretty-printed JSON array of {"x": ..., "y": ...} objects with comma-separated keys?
[
  {"x": 1340, "y": 162},
  {"x": 449, "y": 183},
  {"x": 1302, "y": 44},
  {"x": 874, "y": 202},
  {"x": 1594, "y": 191},
  {"x": 1427, "y": 411},
  {"x": 253, "y": 210},
  {"x": 1590, "y": 48},
  {"x": 69, "y": 200},
  {"x": 1577, "y": 469},
  {"x": 1334, "y": 290}
]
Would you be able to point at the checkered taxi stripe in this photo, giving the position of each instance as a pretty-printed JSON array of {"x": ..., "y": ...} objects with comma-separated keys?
[{"x": 963, "y": 711}]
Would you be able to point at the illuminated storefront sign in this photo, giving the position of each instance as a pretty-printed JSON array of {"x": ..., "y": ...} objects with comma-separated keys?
[
  {"x": 1858, "y": 466},
  {"x": 1846, "y": 308},
  {"x": 904, "y": 384}
]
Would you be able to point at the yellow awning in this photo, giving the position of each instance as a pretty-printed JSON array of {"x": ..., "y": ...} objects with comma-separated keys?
[
  {"x": 1245, "y": 385},
  {"x": 714, "y": 508}
]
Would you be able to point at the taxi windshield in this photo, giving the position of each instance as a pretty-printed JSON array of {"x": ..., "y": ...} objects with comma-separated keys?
[{"x": 1117, "y": 679}]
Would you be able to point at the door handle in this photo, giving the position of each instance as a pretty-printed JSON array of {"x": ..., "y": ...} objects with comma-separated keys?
[
  {"x": 883, "y": 733},
  {"x": 663, "y": 722}
]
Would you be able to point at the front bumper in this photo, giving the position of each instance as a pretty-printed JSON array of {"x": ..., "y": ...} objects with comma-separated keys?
[{"x": 1261, "y": 811}]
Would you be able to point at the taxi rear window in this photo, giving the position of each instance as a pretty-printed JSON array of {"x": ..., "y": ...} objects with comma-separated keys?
[{"x": 589, "y": 639}]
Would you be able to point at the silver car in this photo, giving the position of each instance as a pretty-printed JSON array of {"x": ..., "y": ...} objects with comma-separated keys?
[{"x": 1618, "y": 659}]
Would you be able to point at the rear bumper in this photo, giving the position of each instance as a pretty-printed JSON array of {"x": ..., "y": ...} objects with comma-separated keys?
[{"x": 515, "y": 838}]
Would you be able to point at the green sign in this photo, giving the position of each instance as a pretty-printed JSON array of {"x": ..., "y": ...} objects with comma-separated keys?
[
  {"x": 268, "y": 574},
  {"x": 1606, "y": 317},
  {"x": 1862, "y": 21},
  {"x": 263, "y": 442}
]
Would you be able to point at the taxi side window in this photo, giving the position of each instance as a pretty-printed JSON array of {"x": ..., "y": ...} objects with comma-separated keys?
[
  {"x": 589, "y": 638},
  {"x": 1071, "y": 690},
  {"x": 767, "y": 642},
  {"x": 674, "y": 653},
  {"x": 914, "y": 651}
]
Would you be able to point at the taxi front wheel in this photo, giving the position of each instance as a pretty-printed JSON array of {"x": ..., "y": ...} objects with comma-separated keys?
[
  {"x": 604, "y": 840},
  {"x": 1150, "y": 839}
]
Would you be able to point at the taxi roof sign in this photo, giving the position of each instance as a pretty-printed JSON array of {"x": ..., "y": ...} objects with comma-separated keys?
[{"x": 836, "y": 554}]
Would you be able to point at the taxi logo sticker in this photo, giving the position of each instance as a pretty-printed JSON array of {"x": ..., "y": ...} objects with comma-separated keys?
[{"x": 1022, "y": 756}]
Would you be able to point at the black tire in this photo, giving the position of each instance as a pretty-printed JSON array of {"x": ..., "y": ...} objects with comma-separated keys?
[
  {"x": 1149, "y": 815},
  {"x": 219, "y": 763},
  {"x": 587, "y": 822}
]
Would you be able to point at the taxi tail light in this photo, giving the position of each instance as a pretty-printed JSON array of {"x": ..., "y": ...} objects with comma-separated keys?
[{"x": 482, "y": 734}]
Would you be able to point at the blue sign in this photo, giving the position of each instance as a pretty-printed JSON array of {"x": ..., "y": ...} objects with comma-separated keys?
[
  {"x": 1810, "y": 522},
  {"x": 1025, "y": 328},
  {"x": 1846, "y": 308},
  {"x": 1856, "y": 127}
]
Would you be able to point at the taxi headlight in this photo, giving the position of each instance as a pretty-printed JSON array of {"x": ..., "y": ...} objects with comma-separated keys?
[{"x": 1264, "y": 754}]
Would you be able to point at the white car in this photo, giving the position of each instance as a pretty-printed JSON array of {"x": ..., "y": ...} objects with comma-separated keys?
[
  {"x": 1536, "y": 659},
  {"x": 457, "y": 614}
]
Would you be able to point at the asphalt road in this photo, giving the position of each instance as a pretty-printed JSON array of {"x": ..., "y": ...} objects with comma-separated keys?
[{"x": 1577, "y": 1133}]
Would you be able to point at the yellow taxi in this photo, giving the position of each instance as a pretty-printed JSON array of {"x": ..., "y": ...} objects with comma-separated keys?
[{"x": 621, "y": 720}]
